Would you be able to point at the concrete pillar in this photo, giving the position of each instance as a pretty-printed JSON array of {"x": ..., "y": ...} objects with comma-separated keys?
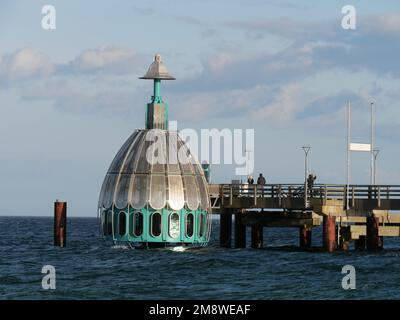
[
  {"x": 329, "y": 233},
  {"x": 305, "y": 237},
  {"x": 373, "y": 239},
  {"x": 240, "y": 231},
  {"x": 225, "y": 234},
  {"x": 60, "y": 223},
  {"x": 256, "y": 236}
]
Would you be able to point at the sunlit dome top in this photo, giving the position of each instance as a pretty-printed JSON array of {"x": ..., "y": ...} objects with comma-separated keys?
[{"x": 133, "y": 179}]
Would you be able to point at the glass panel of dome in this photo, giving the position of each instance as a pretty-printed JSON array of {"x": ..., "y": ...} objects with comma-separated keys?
[
  {"x": 204, "y": 200},
  {"x": 157, "y": 191},
  {"x": 134, "y": 154},
  {"x": 138, "y": 224},
  {"x": 109, "y": 192},
  {"x": 104, "y": 221},
  {"x": 183, "y": 158},
  {"x": 197, "y": 168},
  {"x": 143, "y": 166},
  {"x": 139, "y": 195},
  {"x": 176, "y": 196},
  {"x": 159, "y": 152},
  {"x": 119, "y": 158},
  {"x": 122, "y": 223},
  {"x": 156, "y": 224},
  {"x": 109, "y": 223},
  {"x": 201, "y": 224},
  {"x": 192, "y": 200},
  {"x": 174, "y": 228},
  {"x": 172, "y": 142},
  {"x": 122, "y": 189},
  {"x": 189, "y": 225},
  {"x": 102, "y": 192}
]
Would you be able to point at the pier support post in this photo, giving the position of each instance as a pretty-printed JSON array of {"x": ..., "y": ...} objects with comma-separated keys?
[
  {"x": 60, "y": 223},
  {"x": 240, "y": 231},
  {"x": 256, "y": 236},
  {"x": 329, "y": 233},
  {"x": 305, "y": 237},
  {"x": 225, "y": 234},
  {"x": 373, "y": 239}
]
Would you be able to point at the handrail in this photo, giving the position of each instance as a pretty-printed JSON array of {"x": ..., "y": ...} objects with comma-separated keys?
[{"x": 323, "y": 191}]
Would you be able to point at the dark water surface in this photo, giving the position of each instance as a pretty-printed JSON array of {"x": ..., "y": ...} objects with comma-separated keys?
[{"x": 89, "y": 269}]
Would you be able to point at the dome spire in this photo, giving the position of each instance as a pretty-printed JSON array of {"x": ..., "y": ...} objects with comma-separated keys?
[{"x": 157, "y": 110}]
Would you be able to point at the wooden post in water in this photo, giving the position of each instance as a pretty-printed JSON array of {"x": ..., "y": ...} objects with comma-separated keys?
[
  {"x": 60, "y": 223},
  {"x": 305, "y": 237},
  {"x": 225, "y": 233},
  {"x": 329, "y": 233},
  {"x": 373, "y": 239},
  {"x": 240, "y": 230},
  {"x": 256, "y": 236}
]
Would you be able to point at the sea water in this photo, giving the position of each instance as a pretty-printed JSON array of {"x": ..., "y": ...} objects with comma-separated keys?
[{"x": 89, "y": 269}]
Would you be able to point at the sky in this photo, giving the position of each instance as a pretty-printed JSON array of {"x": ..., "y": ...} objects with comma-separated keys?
[{"x": 71, "y": 96}]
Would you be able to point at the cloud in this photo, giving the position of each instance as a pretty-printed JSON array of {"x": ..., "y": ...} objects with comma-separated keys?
[
  {"x": 230, "y": 69},
  {"x": 232, "y": 103},
  {"x": 263, "y": 86},
  {"x": 331, "y": 104},
  {"x": 29, "y": 63},
  {"x": 24, "y": 64},
  {"x": 88, "y": 98},
  {"x": 284, "y": 106},
  {"x": 208, "y": 33},
  {"x": 106, "y": 59},
  {"x": 144, "y": 11},
  {"x": 384, "y": 23}
]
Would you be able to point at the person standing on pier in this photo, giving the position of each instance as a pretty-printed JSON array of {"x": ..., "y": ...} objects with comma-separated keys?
[
  {"x": 310, "y": 183},
  {"x": 261, "y": 180},
  {"x": 250, "y": 185}
]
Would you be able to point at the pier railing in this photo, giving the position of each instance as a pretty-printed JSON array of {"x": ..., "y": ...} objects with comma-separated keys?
[{"x": 358, "y": 195}]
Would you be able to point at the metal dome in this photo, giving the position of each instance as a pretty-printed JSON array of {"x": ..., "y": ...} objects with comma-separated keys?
[
  {"x": 133, "y": 180},
  {"x": 155, "y": 192}
]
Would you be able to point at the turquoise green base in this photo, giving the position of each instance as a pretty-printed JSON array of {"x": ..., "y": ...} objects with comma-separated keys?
[{"x": 111, "y": 229}]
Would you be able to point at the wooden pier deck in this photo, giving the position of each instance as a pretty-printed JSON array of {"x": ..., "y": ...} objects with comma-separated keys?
[{"x": 360, "y": 213}]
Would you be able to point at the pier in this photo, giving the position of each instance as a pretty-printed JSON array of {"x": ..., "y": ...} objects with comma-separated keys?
[{"x": 358, "y": 213}]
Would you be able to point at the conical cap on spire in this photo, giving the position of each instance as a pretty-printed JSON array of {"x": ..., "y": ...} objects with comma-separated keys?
[{"x": 157, "y": 70}]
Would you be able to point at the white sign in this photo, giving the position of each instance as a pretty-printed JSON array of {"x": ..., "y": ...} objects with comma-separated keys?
[{"x": 360, "y": 147}]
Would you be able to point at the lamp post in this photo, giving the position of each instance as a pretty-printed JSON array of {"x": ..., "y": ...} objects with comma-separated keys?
[
  {"x": 306, "y": 150},
  {"x": 375, "y": 153}
]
